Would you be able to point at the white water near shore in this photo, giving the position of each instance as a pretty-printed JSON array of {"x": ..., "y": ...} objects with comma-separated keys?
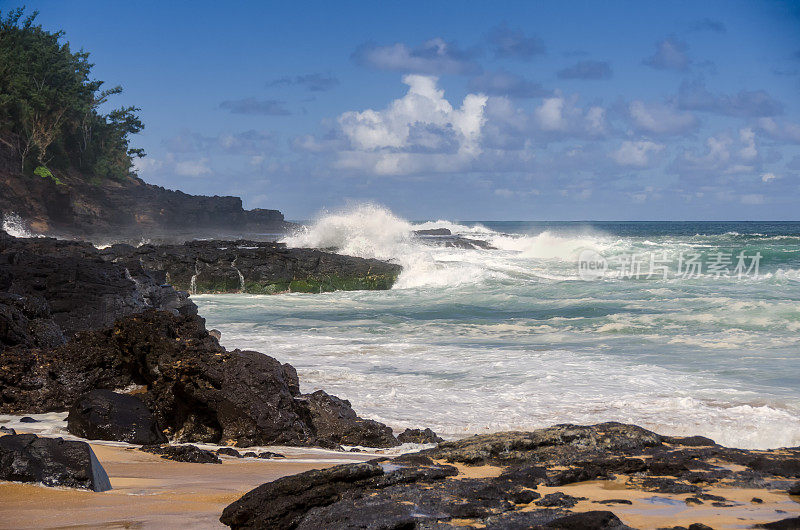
[{"x": 473, "y": 341}]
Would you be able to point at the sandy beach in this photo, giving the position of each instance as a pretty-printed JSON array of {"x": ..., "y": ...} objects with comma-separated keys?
[{"x": 150, "y": 492}]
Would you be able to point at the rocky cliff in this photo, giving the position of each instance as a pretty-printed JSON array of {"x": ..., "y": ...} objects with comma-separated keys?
[{"x": 129, "y": 209}]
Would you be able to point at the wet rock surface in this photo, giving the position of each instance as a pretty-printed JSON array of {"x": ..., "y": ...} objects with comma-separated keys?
[
  {"x": 107, "y": 415},
  {"x": 51, "y": 461},
  {"x": 254, "y": 267},
  {"x": 428, "y": 490}
]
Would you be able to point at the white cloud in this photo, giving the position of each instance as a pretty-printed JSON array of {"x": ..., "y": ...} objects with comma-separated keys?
[
  {"x": 146, "y": 165},
  {"x": 785, "y": 131},
  {"x": 768, "y": 177},
  {"x": 193, "y": 168},
  {"x": 748, "y": 139},
  {"x": 561, "y": 115},
  {"x": 434, "y": 56},
  {"x": 660, "y": 119},
  {"x": 420, "y": 131},
  {"x": 550, "y": 114},
  {"x": 636, "y": 154}
]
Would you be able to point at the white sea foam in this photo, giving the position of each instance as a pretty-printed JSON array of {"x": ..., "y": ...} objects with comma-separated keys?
[
  {"x": 15, "y": 226},
  {"x": 473, "y": 341}
]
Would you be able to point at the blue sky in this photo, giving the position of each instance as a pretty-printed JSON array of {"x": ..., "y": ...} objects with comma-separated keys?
[{"x": 462, "y": 110}]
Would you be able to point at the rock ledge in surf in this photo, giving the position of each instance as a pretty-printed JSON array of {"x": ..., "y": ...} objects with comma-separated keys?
[{"x": 255, "y": 267}]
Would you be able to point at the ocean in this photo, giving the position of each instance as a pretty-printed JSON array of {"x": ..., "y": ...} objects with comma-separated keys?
[{"x": 680, "y": 327}]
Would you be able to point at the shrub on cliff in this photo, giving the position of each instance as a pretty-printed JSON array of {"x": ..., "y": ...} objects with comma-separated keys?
[{"x": 50, "y": 106}]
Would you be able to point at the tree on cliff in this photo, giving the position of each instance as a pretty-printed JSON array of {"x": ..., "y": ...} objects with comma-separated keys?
[{"x": 49, "y": 106}]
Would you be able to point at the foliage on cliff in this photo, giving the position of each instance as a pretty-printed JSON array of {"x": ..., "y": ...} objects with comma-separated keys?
[{"x": 50, "y": 115}]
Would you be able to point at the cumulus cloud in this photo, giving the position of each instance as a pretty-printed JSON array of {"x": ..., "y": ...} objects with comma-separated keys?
[
  {"x": 745, "y": 104},
  {"x": 725, "y": 154},
  {"x": 768, "y": 177},
  {"x": 782, "y": 131},
  {"x": 421, "y": 131},
  {"x": 660, "y": 119},
  {"x": 636, "y": 154},
  {"x": 315, "y": 82},
  {"x": 586, "y": 70},
  {"x": 193, "y": 168},
  {"x": 508, "y": 43},
  {"x": 268, "y": 107},
  {"x": 434, "y": 56},
  {"x": 670, "y": 55},
  {"x": 559, "y": 114},
  {"x": 504, "y": 83}
]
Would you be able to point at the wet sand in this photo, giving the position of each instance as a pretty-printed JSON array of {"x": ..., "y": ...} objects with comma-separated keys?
[
  {"x": 657, "y": 510},
  {"x": 150, "y": 492}
]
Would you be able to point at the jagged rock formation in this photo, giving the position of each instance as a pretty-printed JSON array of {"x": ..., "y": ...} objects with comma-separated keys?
[
  {"x": 197, "y": 391},
  {"x": 513, "y": 480},
  {"x": 132, "y": 209},
  {"x": 254, "y": 267},
  {"x": 45, "y": 281},
  {"x": 71, "y": 323}
]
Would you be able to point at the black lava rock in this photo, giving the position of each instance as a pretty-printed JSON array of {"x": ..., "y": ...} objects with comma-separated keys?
[
  {"x": 419, "y": 436},
  {"x": 183, "y": 453},
  {"x": 107, "y": 415},
  {"x": 51, "y": 461}
]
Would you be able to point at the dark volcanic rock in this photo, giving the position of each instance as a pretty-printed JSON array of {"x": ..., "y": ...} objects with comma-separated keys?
[
  {"x": 434, "y": 232},
  {"x": 334, "y": 421},
  {"x": 413, "y": 491},
  {"x": 183, "y": 453},
  {"x": 229, "y": 451},
  {"x": 51, "y": 461},
  {"x": 791, "y": 523},
  {"x": 107, "y": 415},
  {"x": 131, "y": 208},
  {"x": 6, "y": 430},
  {"x": 419, "y": 436},
  {"x": 196, "y": 389},
  {"x": 598, "y": 520},
  {"x": 55, "y": 287},
  {"x": 794, "y": 489},
  {"x": 255, "y": 267},
  {"x": 559, "y": 499}
]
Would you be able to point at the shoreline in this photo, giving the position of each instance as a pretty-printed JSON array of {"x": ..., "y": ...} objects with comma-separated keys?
[{"x": 149, "y": 492}]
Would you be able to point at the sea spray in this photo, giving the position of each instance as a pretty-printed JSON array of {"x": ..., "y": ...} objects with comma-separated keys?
[
  {"x": 15, "y": 226},
  {"x": 474, "y": 341}
]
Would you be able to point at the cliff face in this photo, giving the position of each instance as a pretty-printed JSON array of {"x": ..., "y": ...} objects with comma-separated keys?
[{"x": 133, "y": 208}]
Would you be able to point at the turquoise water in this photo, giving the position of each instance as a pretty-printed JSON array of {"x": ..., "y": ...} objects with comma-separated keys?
[{"x": 473, "y": 341}]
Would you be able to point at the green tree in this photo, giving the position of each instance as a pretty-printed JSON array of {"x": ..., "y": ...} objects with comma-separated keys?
[{"x": 50, "y": 106}]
